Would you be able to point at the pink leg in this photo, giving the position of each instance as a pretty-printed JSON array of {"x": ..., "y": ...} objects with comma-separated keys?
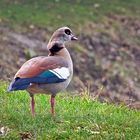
[
  {"x": 52, "y": 103},
  {"x": 33, "y": 106}
]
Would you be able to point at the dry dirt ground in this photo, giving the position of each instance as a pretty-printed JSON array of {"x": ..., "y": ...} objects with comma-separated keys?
[{"x": 106, "y": 58}]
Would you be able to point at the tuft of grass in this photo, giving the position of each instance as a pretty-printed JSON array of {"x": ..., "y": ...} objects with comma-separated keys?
[{"x": 76, "y": 118}]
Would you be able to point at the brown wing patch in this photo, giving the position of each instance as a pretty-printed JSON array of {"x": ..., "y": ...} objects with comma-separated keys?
[{"x": 37, "y": 65}]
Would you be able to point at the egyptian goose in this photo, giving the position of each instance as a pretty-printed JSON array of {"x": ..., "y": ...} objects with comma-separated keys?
[{"x": 47, "y": 74}]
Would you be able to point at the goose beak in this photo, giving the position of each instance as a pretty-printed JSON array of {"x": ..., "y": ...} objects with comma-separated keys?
[{"x": 74, "y": 38}]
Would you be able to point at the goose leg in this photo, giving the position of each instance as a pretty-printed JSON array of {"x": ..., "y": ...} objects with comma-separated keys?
[
  {"x": 52, "y": 103},
  {"x": 32, "y": 105}
]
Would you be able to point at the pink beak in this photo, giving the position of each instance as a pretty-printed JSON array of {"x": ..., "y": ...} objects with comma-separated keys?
[{"x": 74, "y": 38}]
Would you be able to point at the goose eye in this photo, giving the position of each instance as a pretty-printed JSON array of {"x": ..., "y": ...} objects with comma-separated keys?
[{"x": 67, "y": 31}]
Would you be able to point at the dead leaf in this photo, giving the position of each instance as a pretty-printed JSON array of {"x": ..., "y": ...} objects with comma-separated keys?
[
  {"x": 25, "y": 135},
  {"x": 4, "y": 130}
]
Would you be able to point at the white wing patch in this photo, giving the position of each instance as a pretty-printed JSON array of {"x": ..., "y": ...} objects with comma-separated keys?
[{"x": 62, "y": 73}]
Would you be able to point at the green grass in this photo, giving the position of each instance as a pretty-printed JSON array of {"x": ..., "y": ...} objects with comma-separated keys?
[
  {"x": 55, "y": 13},
  {"x": 76, "y": 118}
]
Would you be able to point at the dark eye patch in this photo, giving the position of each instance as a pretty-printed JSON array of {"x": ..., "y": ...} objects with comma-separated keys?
[{"x": 67, "y": 31}]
